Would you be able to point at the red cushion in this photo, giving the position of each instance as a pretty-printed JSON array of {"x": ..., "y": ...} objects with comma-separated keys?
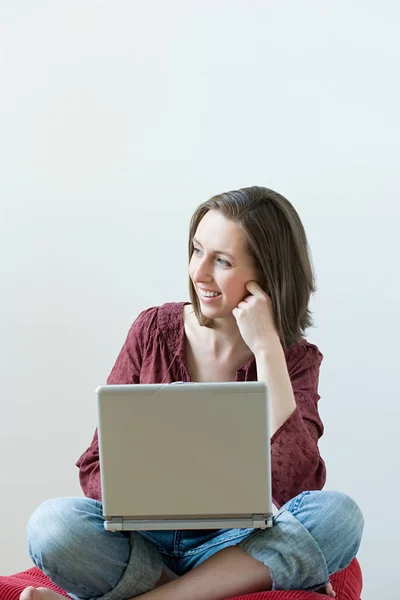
[{"x": 347, "y": 585}]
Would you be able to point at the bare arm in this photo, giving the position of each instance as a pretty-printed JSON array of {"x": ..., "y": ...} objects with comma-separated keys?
[{"x": 272, "y": 369}]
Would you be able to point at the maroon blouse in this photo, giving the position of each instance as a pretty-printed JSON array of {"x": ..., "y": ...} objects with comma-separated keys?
[{"x": 155, "y": 352}]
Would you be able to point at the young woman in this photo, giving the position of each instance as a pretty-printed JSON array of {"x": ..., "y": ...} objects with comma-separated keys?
[{"x": 250, "y": 284}]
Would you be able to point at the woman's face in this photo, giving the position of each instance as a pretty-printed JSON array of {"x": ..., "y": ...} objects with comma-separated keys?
[{"x": 220, "y": 265}]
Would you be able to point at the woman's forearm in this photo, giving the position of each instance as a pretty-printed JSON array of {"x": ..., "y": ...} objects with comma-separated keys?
[{"x": 272, "y": 369}]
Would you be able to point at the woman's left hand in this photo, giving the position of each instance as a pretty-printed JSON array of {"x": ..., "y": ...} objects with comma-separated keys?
[{"x": 255, "y": 318}]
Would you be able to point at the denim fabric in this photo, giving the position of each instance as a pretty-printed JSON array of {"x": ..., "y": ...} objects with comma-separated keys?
[
  {"x": 68, "y": 542},
  {"x": 315, "y": 534}
]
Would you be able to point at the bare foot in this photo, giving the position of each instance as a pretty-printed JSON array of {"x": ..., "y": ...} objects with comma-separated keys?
[
  {"x": 327, "y": 590},
  {"x": 40, "y": 593}
]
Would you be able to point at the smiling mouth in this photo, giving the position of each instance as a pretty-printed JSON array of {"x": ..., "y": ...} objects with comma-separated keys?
[{"x": 206, "y": 294}]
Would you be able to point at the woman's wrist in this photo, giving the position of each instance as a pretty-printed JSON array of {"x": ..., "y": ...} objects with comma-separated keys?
[{"x": 270, "y": 352}]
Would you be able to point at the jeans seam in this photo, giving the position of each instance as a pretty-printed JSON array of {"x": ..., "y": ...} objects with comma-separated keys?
[{"x": 297, "y": 501}]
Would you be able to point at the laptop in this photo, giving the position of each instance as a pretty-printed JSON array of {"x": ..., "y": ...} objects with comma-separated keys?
[{"x": 185, "y": 456}]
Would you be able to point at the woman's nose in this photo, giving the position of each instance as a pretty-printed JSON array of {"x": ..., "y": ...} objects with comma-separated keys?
[{"x": 203, "y": 272}]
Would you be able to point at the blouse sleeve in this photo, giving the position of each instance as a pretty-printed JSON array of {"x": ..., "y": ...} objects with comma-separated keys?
[
  {"x": 125, "y": 371},
  {"x": 295, "y": 459}
]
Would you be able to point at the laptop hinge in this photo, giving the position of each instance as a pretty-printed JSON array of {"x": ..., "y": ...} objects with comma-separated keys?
[
  {"x": 260, "y": 522},
  {"x": 114, "y": 524}
]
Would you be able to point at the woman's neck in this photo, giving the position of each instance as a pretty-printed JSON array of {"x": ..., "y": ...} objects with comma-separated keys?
[{"x": 223, "y": 339}]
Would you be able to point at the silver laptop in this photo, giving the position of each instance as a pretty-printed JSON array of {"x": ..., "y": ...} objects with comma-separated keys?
[{"x": 185, "y": 456}]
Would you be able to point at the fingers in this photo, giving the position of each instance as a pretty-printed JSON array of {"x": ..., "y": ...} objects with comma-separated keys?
[
  {"x": 254, "y": 297},
  {"x": 244, "y": 303},
  {"x": 255, "y": 289},
  {"x": 235, "y": 313}
]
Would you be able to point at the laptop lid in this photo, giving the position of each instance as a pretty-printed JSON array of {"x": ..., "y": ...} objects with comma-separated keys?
[{"x": 184, "y": 452}]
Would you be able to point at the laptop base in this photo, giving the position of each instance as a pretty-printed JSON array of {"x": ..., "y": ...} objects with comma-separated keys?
[{"x": 121, "y": 524}]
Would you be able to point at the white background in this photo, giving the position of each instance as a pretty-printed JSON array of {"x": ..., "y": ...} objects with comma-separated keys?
[{"x": 116, "y": 120}]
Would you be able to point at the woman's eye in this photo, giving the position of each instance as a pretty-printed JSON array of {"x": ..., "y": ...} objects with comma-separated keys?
[
  {"x": 196, "y": 250},
  {"x": 224, "y": 262}
]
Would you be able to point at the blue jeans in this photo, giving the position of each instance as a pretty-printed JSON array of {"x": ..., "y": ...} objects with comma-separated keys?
[{"x": 314, "y": 535}]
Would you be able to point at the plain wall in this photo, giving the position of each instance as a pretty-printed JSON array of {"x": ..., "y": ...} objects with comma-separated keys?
[{"x": 116, "y": 120}]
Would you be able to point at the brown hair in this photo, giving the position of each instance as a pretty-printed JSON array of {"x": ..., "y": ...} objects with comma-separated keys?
[{"x": 278, "y": 244}]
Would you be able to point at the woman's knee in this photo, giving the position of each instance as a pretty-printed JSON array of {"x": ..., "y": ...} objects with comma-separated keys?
[
  {"x": 58, "y": 526},
  {"x": 339, "y": 513},
  {"x": 68, "y": 542},
  {"x": 336, "y": 523}
]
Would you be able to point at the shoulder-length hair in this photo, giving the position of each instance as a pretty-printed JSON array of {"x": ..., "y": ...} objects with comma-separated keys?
[{"x": 278, "y": 244}]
